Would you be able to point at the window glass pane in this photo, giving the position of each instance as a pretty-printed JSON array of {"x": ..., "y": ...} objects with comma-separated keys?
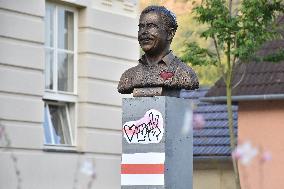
[
  {"x": 60, "y": 124},
  {"x": 46, "y": 126},
  {"x": 65, "y": 72},
  {"x": 48, "y": 71},
  {"x": 49, "y": 25},
  {"x": 65, "y": 29}
]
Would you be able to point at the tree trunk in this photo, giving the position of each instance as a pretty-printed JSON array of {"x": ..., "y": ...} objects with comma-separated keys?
[{"x": 231, "y": 129}]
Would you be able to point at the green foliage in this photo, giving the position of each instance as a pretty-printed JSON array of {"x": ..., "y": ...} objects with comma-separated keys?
[
  {"x": 207, "y": 74},
  {"x": 275, "y": 57},
  {"x": 189, "y": 31},
  {"x": 238, "y": 32},
  {"x": 256, "y": 25},
  {"x": 198, "y": 56}
]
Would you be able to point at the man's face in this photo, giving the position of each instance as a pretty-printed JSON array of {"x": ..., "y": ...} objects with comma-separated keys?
[{"x": 152, "y": 36}]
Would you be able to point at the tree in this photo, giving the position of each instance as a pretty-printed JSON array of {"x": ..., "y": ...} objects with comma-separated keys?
[{"x": 237, "y": 30}]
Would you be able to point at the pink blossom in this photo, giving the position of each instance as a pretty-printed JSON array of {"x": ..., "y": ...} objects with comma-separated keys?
[
  {"x": 245, "y": 153},
  {"x": 236, "y": 155},
  {"x": 198, "y": 121},
  {"x": 266, "y": 156},
  {"x": 88, "y": 168}
]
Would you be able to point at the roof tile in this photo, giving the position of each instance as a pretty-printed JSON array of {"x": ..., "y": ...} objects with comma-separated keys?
[
  {"x": 253, "y": 79},
  {"x": 213, "y": 140},
  {"x": 257, "y": 78}
]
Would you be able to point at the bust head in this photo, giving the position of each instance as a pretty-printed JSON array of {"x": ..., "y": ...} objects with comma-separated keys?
[
  {"x": 159, "y": 72},
  {"x": 157, "y": 27}
]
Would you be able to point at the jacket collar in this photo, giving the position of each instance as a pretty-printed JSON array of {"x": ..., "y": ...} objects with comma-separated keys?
[{"x": 166, "y": 59}]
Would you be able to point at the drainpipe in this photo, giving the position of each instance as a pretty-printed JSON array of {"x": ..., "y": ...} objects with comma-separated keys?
[{"x": 219, "y": 99}]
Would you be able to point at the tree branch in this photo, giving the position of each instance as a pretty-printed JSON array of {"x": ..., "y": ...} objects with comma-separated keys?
[
  {"x": 243, "y": 76},
  {"x": 219, "y": 57},
  {"x": 230, "y": 7}
]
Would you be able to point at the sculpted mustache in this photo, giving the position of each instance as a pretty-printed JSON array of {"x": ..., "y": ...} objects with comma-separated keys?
[{"x": 144, "y": 38}]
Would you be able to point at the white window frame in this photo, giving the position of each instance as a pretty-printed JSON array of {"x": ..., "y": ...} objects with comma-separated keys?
[
  {"x": 64, "y": 98},
  {"x": 69, "y": 127},
  {"x": 55, "y": 93}
]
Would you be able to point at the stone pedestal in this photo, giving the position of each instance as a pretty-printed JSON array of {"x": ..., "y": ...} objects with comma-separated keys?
[{"x": 156, "y": 143}]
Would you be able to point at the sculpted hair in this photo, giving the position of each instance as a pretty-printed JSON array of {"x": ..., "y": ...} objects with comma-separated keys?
[{"x": 168, "y": 17}]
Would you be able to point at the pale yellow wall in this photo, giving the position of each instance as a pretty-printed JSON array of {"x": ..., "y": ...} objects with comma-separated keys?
[
  {"x": 107, "y": 46},
  {"x": 21, "y": 71},
  {"x": 21, "y": 87},
  {"x": 213, "y": 178},
  {"x": 49, "y": 170},
  {"x": 261, "y": 123}
]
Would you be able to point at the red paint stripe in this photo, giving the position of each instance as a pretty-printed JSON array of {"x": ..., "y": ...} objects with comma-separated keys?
[{"x": 142, "y": 168}]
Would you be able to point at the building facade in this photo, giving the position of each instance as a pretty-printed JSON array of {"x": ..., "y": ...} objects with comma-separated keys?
[
  {"x": 60, "y": 112},
  {"x": 259, "y": 95},
  {"x": 60, "y": 62},
  {"x": 212, "y": 164}
]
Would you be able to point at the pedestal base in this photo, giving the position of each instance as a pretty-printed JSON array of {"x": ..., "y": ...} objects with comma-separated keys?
[
  {"x": 156, "y": 143},
  {"x": 155, "y": 91}
]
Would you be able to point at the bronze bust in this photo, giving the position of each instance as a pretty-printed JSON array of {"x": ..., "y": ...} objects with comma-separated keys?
[{"x": 159, "y": 72}]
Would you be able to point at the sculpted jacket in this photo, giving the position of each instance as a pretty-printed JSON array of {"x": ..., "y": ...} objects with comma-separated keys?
[{"x": 169, "y": 73}]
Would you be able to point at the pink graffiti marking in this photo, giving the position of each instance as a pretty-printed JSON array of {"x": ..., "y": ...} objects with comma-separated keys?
[{"x": 148, "y": 129}]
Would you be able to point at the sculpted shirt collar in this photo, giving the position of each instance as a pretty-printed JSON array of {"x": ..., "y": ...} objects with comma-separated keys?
[{"x": 166, "y": 59}]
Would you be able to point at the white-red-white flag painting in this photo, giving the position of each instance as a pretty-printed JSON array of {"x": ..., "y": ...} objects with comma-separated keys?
[{"x": 142, "y": 169}]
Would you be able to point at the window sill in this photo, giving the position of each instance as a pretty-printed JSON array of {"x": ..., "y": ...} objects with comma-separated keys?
[
  {"x": 60, "y": 149},
  {"x": 65, "y": 97}
]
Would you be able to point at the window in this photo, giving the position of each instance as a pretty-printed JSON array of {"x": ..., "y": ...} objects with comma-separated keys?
[{"x": 60, "y": 74}]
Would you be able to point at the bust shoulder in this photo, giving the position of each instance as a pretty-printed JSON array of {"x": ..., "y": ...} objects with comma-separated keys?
[
  {"x": 186, "y": 76},
  {"x": 125, "y": 85}
]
